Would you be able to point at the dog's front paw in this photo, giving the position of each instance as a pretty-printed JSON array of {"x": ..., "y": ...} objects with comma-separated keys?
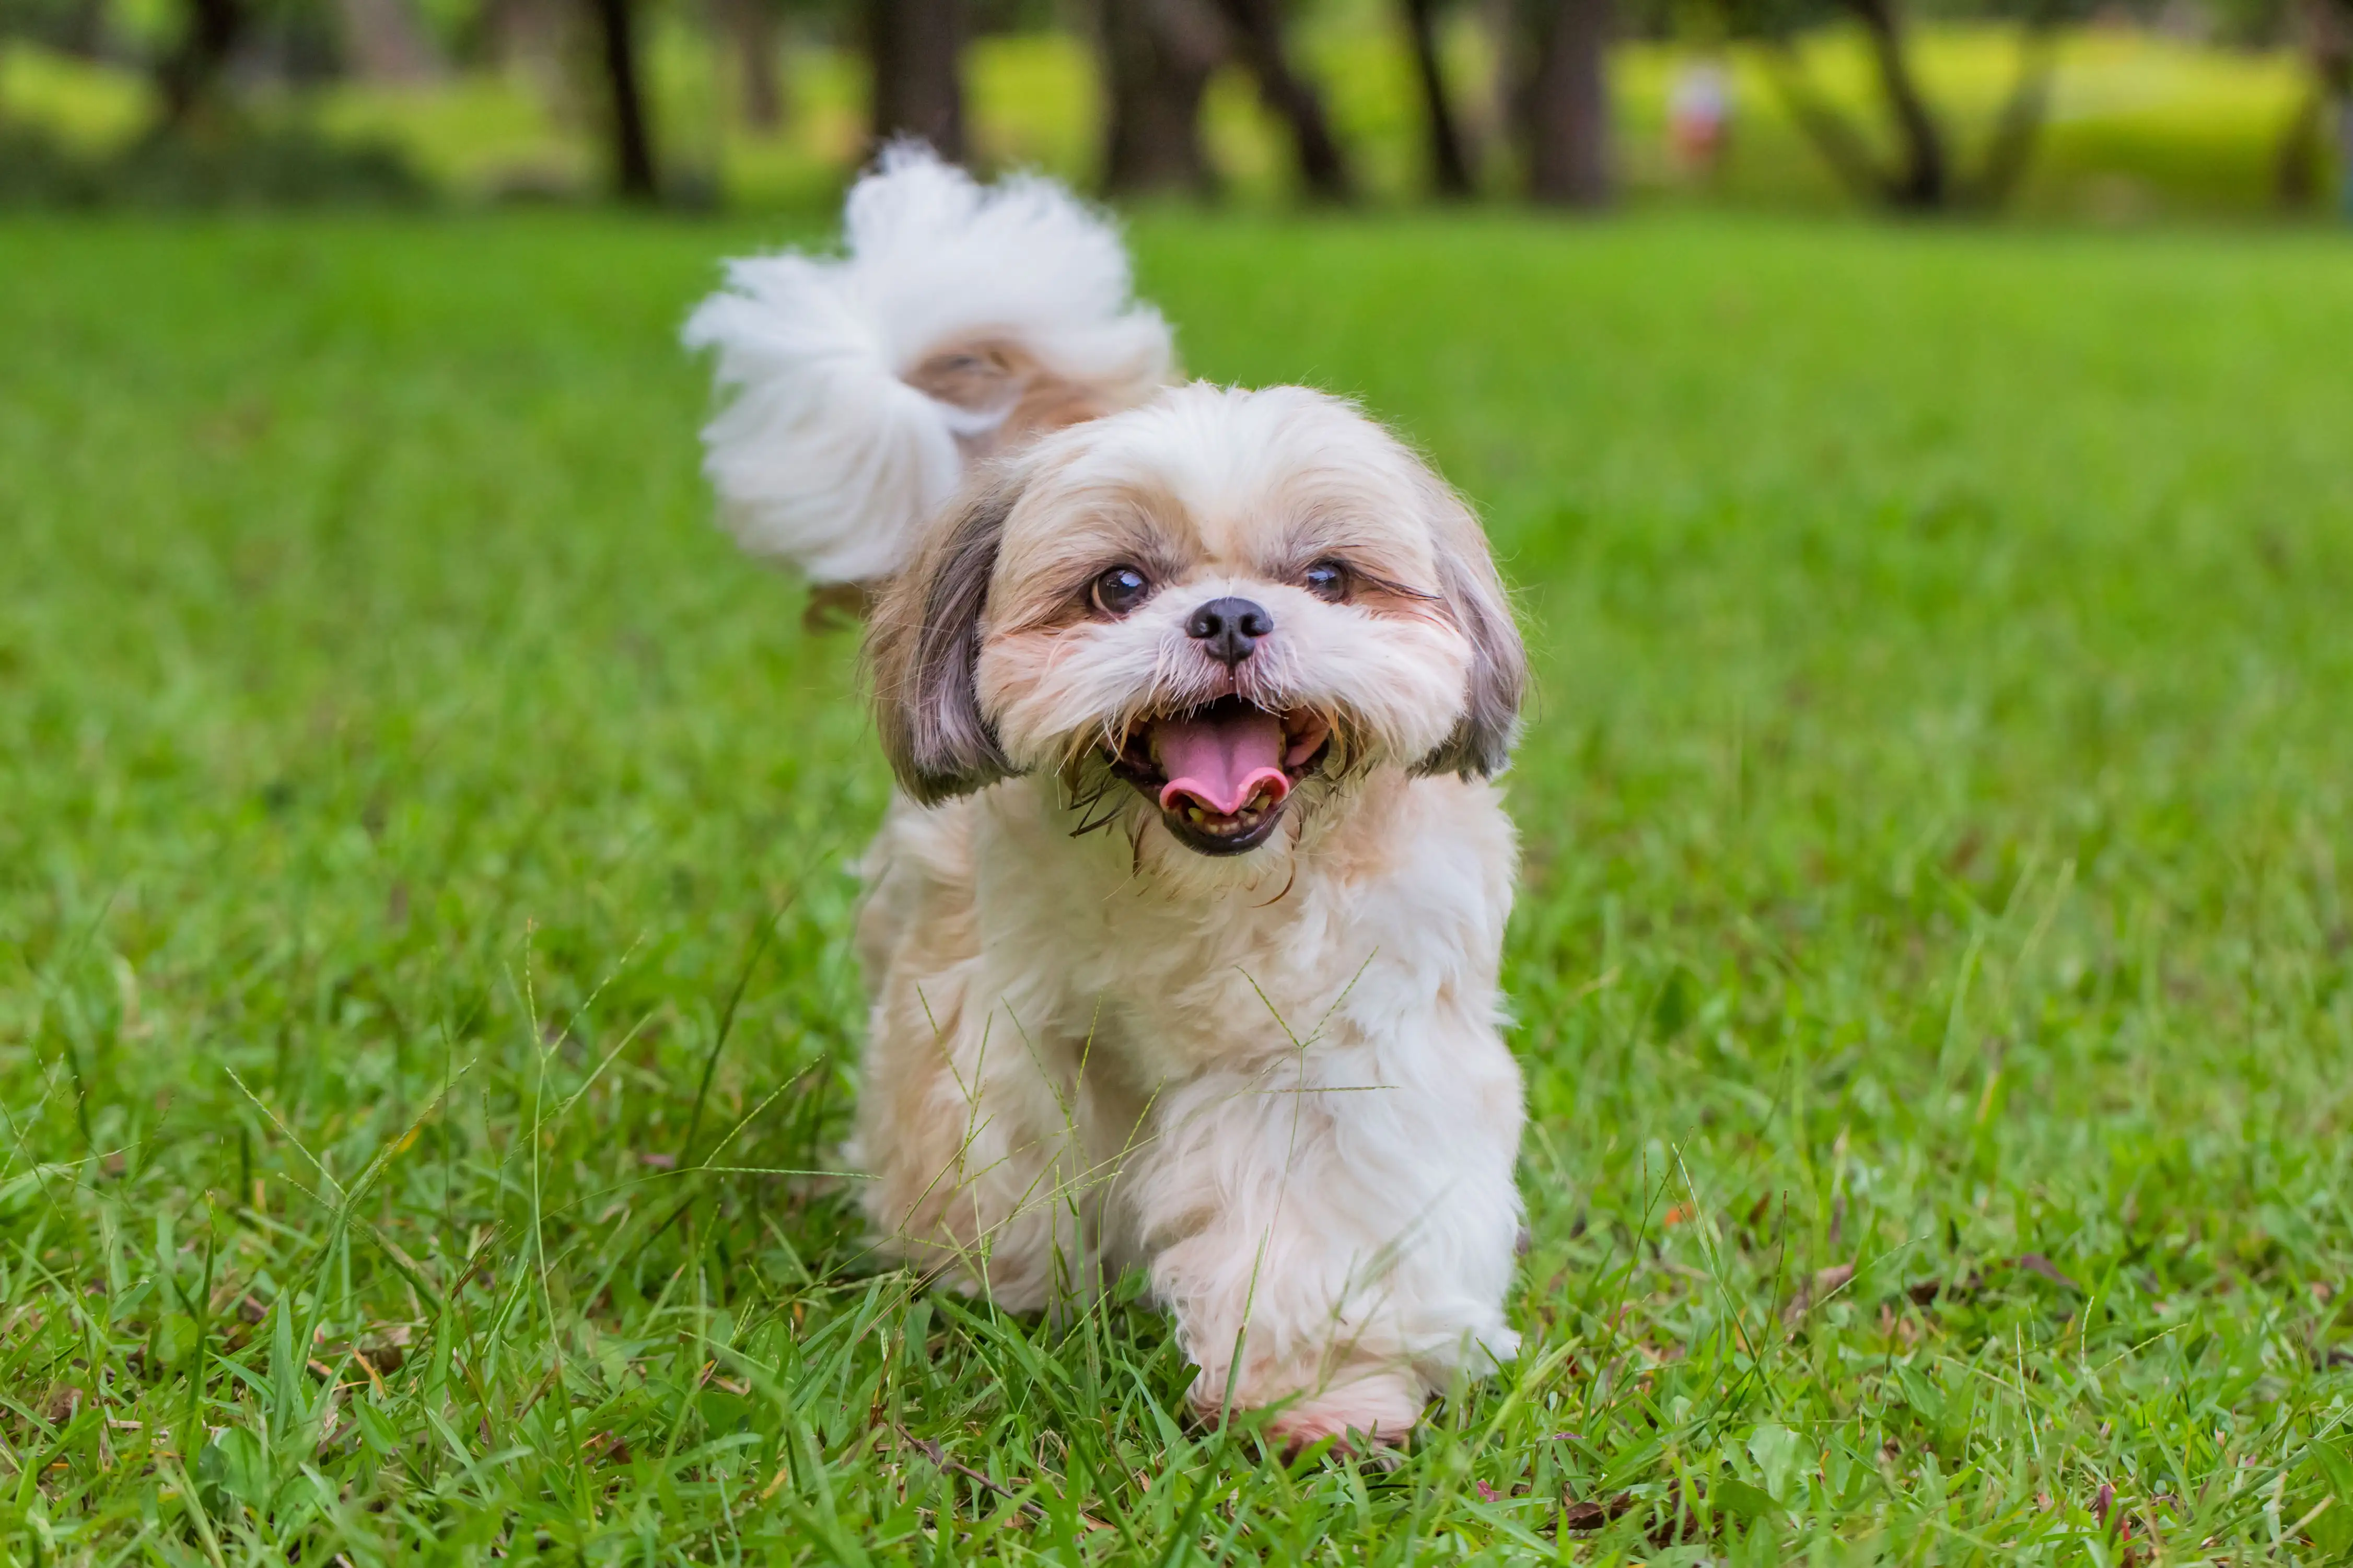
[{"x": 1367, "y": 1413}]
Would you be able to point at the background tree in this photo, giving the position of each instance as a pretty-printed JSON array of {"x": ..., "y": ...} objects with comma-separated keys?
[
  {"x": 1257, "y": 32},
  {"x": 1449, "y": 157},
  {"x": 1924, "y": 175},
  {"x": 2325, "y": 111},
  {"x": 1561, "y": 98},
  {"x": 1158, "y": 58},
  {"x": 750, "y": 30},
  {"x": 915, "y": 47},
  {"x": 189, "y": 77},
  {"x": 628, "y": 122}
]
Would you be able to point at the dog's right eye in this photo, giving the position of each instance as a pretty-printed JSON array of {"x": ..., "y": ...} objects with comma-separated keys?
[
  {"x": 1328, "y": 581},
  {"x": 1120, "y": 590}
]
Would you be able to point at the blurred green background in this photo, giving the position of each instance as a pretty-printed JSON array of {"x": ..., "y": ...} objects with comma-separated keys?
[{"x": 2055, "y": 108}]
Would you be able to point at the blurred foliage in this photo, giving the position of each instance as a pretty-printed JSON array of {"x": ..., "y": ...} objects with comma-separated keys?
[
  {"x": 2144, "y": 125},
  {"x": 270, "y": 168},
  {"x": 2157, "y": 106}
]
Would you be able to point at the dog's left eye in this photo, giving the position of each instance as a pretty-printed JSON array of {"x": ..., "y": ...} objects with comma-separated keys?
[
  {"x": 1120, "y": 590},
  {"x": 1327, "y": 580}
]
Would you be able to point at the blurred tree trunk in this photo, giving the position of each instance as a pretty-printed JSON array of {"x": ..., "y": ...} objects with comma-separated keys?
[
  {"x": 2322, "y": 115},
  {"x": 1923, "y": 177},
  {"x": 190, "y": 77},
  {"x": 1158, "y": 56},
  {"x": 916, "y": 48},
  {"x": 1258, "y": 36},
  {"x": 751, "y": 26},
  {"x": 2024, "y": 115},
  {"x": 1834, "y": 137},
  {"x": 385, "y": 41},
  {"x": 1923, "y": 181},
  {"x": 1450, "y": 163},
  {"x": 1563, "y": 100},
  {"x": 626, "y": 117}
]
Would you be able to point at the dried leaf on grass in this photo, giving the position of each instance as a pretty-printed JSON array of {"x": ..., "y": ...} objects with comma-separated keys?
[{"x": 1672, "y": 1519}]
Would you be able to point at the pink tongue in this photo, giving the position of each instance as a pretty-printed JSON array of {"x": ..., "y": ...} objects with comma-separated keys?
[{"x": 1222, "y": 761}]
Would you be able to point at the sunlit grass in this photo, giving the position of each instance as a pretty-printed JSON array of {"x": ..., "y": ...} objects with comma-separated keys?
[{"x": 426, "y": 886}]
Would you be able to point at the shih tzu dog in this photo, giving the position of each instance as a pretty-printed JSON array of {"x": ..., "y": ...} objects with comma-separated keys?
[{"x": 1182, "y": 931}]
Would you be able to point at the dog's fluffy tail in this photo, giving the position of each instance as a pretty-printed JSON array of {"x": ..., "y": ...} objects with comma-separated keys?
[{"x": 959, "y": 317}]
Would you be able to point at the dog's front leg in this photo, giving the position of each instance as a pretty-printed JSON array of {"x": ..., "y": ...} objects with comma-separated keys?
[
  {"x": 967, "y": 1127},
  {"x": 1335, "y": 1233}
]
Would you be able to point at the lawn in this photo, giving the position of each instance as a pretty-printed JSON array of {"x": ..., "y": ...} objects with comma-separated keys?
[{"x": 426, "y": 998}]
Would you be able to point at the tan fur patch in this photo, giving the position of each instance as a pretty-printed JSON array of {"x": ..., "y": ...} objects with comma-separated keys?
[{"x": 985, "y": 375}]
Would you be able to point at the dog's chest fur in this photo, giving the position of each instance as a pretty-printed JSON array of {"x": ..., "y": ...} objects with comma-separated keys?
[{"x": 1179, "y": 964}]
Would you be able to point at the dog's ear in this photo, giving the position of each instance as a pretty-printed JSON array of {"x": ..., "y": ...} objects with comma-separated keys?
[
  {"x": 924, "y": 646},
  {"x": 1480, "y": 743}
]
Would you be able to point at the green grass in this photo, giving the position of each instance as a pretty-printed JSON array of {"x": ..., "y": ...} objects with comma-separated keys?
[{"x": 425, "y": 895}]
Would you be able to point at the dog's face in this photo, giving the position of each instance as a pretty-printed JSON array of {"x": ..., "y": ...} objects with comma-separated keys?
[{"x": 1211, "y": 600}]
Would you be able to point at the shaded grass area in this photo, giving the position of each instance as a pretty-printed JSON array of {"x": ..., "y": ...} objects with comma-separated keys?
[{"x": 425, "y": 876}]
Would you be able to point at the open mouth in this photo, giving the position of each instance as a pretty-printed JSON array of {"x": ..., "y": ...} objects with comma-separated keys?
[{"x": 1220, "y": 774}]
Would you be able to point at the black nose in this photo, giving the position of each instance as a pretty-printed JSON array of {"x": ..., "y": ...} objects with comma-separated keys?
[{"x": 1231, "y": 628}]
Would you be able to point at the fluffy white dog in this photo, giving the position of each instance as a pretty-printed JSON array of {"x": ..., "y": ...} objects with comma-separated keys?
[{"x": 1183, "y": 931}]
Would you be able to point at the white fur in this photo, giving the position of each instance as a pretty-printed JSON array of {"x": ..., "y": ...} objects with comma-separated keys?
[
  {"x": 1294, "y": 1108},
  {"x": 1274, "y": 1079},
  {"x": 825, "y": 457}
]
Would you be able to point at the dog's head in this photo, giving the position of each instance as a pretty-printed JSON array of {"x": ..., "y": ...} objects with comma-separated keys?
[{"x": 1215, "y": 598}]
